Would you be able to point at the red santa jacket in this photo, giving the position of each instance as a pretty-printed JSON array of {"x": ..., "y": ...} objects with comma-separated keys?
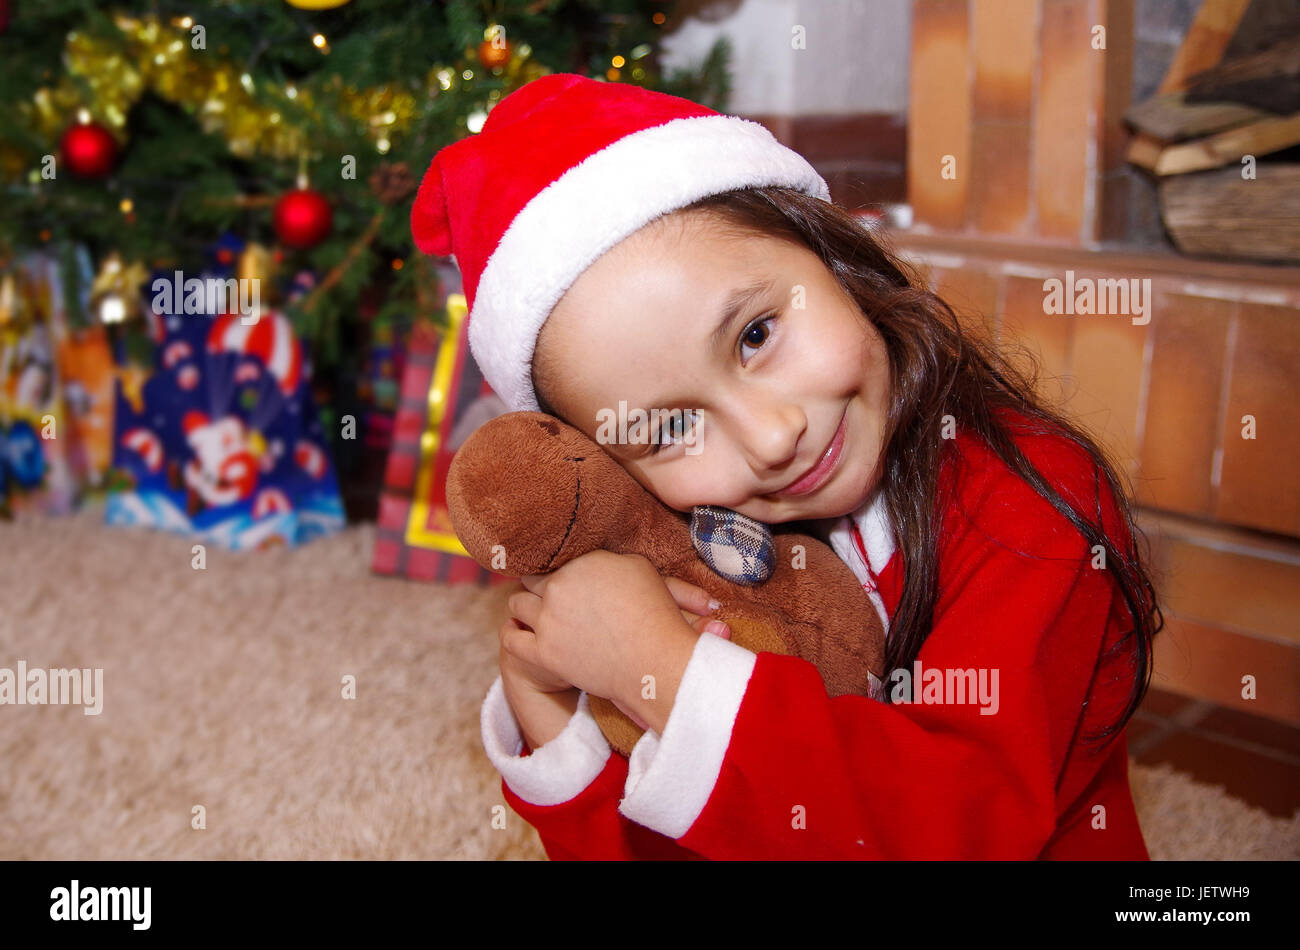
[{"x": 757, "y": 762}]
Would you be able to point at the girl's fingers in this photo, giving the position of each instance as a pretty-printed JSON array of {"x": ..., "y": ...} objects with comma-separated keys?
[
  {"x": 525, "y": 606},
  {"x": 519, "y": 642},
  {"x": 688, "y": 596},
  {"x": 697, "y": 622},
  {"x": 701, "y": 625},
  {"x": 536, "y": 676}
]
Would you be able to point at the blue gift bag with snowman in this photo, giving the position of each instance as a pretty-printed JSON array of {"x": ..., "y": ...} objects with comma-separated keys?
[{"x": 222, "y": 440}]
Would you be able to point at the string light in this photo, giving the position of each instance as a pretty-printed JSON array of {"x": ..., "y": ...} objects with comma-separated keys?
[{"x": 112, "y": 309}]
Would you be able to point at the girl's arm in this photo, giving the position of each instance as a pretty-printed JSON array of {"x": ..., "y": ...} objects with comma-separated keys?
[
  {"x": 569, "y": 788},
  {"x": 526, "y": 710},
  {"x": 801, "y": 775},
  {"x": 541, "y": 716},
  {"x": 756, "y": 761}
]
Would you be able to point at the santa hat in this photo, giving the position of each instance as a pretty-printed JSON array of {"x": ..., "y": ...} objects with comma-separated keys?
[{"x": 565, "y": 167}]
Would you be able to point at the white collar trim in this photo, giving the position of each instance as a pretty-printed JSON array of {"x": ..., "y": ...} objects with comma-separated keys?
[
  {"x": 872, "y": 519},
  {"x": 873, "y": 524}
]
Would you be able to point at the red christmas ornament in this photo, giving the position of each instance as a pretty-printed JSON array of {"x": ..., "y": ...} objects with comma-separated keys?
[
  {"x": 494, "y": 56},
  {"x": 89, "y": 150},
  {"x": 5, "y": 12},
  {"x": 303, "y": 218}
]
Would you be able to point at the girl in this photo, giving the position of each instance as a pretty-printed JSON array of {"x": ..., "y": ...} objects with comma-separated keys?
[{"x": 653, "y": 252}]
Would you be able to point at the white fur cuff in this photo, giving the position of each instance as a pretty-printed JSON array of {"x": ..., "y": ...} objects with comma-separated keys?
[
  {"x": 670, "y": 778},
  {"x": 560, "y": 769}
]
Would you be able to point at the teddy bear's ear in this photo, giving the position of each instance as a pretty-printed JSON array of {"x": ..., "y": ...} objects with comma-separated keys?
[{"x": 733, "y": 545}]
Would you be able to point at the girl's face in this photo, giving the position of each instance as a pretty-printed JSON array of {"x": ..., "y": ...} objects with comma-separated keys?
[{"x": 795, "y": 370}]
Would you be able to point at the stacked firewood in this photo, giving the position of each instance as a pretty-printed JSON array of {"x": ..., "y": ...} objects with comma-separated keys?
[{"x": 1222, "y": 133}]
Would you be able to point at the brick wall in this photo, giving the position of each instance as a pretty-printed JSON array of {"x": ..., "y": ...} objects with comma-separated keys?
[
  {"x": 1014, "y": 119},
  {"x": 1014, "y": 96},
  {"x": 1167, "y": 398}
]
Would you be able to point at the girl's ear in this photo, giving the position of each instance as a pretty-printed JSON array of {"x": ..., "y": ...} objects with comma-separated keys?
[{"x": 733, "y": 545}]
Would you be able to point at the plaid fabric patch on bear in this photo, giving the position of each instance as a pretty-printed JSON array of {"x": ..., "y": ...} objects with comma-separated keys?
[{"x": 734, "y": 546}]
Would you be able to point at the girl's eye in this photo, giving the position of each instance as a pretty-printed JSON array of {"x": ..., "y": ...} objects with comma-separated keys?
[
  {"x": 756, "y": 334},
  {"x": 685, "y": 419}
]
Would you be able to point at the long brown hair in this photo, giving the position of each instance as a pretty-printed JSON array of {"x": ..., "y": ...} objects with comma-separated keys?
[{"x": 940, "y": 369}]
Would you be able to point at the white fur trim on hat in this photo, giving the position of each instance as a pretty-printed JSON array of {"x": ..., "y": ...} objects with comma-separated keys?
[{"x": 593, "y": 206}]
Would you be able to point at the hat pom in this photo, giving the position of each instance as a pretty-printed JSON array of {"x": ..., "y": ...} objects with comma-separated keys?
[{"x": 429, "y": 225}]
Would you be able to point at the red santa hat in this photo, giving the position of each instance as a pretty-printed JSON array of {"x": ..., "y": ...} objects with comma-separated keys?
[{"x": 565, "y": 167}]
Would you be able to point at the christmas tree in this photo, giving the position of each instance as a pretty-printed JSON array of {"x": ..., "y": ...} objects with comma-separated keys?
[{"x": 151, "y": 129}]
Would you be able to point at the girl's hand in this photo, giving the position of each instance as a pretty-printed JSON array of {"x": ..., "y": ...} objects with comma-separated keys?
[
  {"x": 602, "y": 622},
  {"x": 542, "y": 705},
  {"x": 521, "y": 674}
]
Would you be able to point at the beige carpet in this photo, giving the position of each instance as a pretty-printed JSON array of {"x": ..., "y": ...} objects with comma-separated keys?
[{"x": 222, "y": 689}]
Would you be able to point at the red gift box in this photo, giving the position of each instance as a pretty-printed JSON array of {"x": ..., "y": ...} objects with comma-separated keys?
[{"x": 444, "y": 397}]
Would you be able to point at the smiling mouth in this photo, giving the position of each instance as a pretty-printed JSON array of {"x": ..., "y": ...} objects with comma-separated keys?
[{"x": 817, "y": 476}]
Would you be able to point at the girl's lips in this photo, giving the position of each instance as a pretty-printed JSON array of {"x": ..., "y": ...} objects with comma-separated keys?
[{"x": 823, "y": 469}]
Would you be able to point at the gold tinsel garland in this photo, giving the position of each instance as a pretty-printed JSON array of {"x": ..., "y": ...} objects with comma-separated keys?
[{"x": 156, "y": 55}]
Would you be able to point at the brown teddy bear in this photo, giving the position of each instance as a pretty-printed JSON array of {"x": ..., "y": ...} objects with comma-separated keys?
[{"x": 530, "y": 487}]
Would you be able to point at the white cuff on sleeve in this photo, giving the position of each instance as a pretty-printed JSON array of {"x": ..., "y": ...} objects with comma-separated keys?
[
  {"x": 556, "y": 772},
  {"x": 670, "y": 778}
]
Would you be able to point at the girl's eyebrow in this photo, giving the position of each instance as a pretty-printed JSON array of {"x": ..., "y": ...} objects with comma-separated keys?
[{"x": 735, "y": 304}]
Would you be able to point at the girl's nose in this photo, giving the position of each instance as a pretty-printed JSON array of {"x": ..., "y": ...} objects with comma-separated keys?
[{"x": 770, "y": 436}]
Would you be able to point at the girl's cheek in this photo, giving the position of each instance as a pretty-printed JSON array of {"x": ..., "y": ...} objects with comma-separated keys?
[
  {"x": 682, "y": 489},
  {"x": 704, "y": 486}
]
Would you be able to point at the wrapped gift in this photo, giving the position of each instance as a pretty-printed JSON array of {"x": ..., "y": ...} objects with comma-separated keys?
[
  {"x": 86, "y": 365},
  {"x": 222, "y": 440},
  {"x": 36, "y": 434},
  {"x": 443, "y": 399}
]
